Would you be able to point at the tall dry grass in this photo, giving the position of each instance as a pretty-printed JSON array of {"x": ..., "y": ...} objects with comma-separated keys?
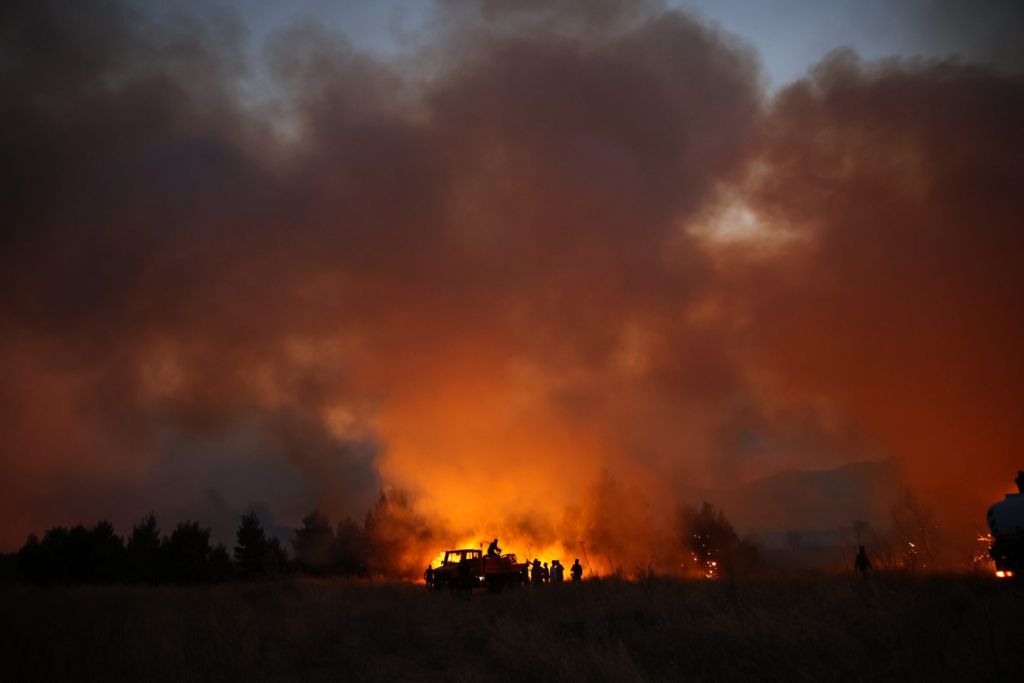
[{"x": 814, "y": 629}]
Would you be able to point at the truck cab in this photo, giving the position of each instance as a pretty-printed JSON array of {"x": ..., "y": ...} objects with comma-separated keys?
[
  {"x": 468, "y": 568},
  {"x": 455, "y": 556}
]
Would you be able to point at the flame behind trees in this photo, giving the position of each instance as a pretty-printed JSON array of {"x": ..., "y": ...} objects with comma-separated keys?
[
  {"x": 916, "y": 535},
  {"x": 616, "y": 526},
  {"x": 398, "y": 536},
  {"x": 712, "y": 546},
  {"x": 391, "y": 542}
]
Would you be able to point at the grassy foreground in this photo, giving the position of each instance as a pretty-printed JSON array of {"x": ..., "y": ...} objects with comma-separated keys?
[{"x": 829, "y": 628}]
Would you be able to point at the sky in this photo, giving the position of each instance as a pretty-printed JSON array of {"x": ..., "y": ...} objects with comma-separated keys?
[
  {"x": 789, "y": 35},
  {"x": 524, "y": 261}
]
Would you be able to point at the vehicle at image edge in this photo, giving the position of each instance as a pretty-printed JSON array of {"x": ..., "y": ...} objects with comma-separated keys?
[
  {"x": 470, "y": 567},
  {"x": 1006, "y": 521}
]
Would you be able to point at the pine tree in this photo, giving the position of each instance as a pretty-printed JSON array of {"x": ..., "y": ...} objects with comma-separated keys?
[
  {"x": 708, "y": 538},
  {"x": 313, "y": 544},
  {"x": 251, "y": 545},
  {"x": 143, "y": 551},
  {"x": 187, "y": 553},
  {"x": 106, "y": 554},
  {"x": 221, "y": 567},
  {"x": 255, "y": 554},
  {"x": 351, "y": 549}
]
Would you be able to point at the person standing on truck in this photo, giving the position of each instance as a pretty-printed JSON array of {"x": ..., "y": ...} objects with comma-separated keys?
[
  {"x": 493, "y": 550},
  {"x": 861, "y": 564},
  {"x": 576, "y": 571}
]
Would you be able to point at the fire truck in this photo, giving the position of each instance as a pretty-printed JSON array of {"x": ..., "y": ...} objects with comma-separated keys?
[
  {"x": 468, "y": 568},
  {"x": 1006, "y": 521}
]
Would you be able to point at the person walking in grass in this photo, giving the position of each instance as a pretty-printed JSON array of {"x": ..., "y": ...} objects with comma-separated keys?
[{"x": 861, "y": 564}]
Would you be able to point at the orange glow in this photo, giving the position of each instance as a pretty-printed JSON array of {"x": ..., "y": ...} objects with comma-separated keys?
[
  {"x": 526, "y": 553},
  {"x": 1004, "y": 573}
]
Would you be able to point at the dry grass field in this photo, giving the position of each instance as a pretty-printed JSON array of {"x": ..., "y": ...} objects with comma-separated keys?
[{"x": 812, "y": 629}]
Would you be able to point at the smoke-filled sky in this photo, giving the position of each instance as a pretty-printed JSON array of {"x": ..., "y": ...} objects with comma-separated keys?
[{"x": 482, "y": 251}]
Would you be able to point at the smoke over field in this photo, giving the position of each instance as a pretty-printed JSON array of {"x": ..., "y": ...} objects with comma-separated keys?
[{"x": 542, "y": 271}]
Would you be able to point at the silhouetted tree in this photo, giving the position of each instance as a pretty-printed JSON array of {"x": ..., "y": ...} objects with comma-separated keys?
[
  {"x": 275, "y": 560},
  {"x": 916, "y": 533},
  {"x": 186, "y": 553},
  {"x": 255, "y": 555},
  {"x": 143, "y": 551},
  {"x": 67, "y": 552},
  {"x": 313, "y": 544},
  {"x": 31, "y": 561},
  {"x": 98, "y": 555},
  {"x": 393, "y": 528},
  {"x": 73, "y": 555},
  {"x": 221, "y": 567},
  {"x": 104, "y": 555},
  {"x": 251, "y": 545},
  {"x": 350, "y": 550},
  {"x": 709, "y": 540}
]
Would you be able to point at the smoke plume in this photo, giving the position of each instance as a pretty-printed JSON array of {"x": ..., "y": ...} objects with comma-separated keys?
[{"x": 551, "y": 242}]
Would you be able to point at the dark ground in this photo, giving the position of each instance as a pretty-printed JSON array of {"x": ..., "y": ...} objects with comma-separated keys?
[{"x": 827, "y": 628}]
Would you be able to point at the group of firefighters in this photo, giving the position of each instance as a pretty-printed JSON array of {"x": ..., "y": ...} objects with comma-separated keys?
[
  {"x": 534, "y": 572},
  {"x": 541, "y": 573}
]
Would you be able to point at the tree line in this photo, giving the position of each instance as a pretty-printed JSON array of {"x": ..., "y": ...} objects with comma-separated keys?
[
  {"x": 96, "y": 554},
  {"x": 379, "y": 546}
]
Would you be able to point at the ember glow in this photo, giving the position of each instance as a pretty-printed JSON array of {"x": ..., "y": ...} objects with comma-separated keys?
[{"x": 541, "y": 270}]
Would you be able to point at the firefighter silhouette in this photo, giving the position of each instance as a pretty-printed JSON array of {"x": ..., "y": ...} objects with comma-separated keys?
[
  {"x": 493, "y": 550},
  {"x": 861, "y": 564},
  {"x": 576, "y": 571}
]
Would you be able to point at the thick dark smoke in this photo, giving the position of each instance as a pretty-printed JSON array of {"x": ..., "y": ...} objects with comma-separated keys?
[
  {"x": 900, "y": 188},
  {"x": 562, "y": 238}
]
